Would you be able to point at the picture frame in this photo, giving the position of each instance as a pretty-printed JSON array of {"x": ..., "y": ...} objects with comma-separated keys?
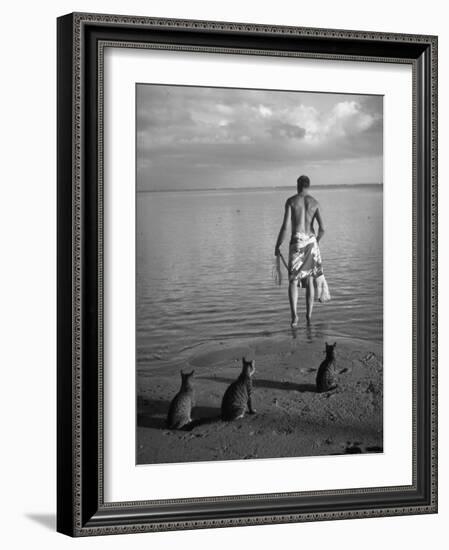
[{"x": 81, "y": 507}]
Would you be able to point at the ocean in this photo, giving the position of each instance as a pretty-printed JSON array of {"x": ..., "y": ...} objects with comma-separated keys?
[{"x": 204, "y": 272}]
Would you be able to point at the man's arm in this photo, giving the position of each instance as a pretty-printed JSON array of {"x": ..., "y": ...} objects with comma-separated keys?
[
  {"x": 319, "y": 220},
  {"x": 283, "y": 229}
]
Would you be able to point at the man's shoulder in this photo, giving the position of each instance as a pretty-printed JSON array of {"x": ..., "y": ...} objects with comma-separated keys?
[
  {"x": 312, "y": 200},
  {"x": 294, "y": 199}
]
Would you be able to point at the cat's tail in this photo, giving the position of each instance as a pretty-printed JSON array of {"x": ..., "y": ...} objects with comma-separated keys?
[
  {"x": 229, "y": 417},
  {"x": 321, "y": 389},
  {"x": 325, "y": 390},
  {"x": 178, "y": 425}
]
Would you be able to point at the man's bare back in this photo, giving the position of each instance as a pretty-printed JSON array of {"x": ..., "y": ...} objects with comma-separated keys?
[{"x": 303, "y": 208}]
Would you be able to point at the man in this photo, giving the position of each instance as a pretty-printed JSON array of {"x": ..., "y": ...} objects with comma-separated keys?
[{"x": 304, "y": 263}]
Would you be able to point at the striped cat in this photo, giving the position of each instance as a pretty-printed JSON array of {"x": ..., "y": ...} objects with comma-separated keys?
[
  {"x": 326, "y": 378},
  {"x": 238, "y": 395},
  {"x": 180, "y": 411}
]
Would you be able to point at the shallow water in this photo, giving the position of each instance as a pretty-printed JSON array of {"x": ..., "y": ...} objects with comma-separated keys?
[{"x": 204, "y": 271}]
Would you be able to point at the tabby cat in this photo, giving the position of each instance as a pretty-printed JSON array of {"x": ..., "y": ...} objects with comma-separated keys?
[
  {"x": 237, "y": 397},
  {"x": 326, "y": 376},
  {"x": 180, "y": 411}
]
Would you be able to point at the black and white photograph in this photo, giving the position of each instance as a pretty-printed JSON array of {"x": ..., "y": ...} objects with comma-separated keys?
[
  {"x": 222, "y": 285},
  {"x": 259, "y": 273}
]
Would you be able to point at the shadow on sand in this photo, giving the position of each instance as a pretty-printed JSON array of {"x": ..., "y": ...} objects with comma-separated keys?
[
  {"x": 290, "y": 386},
  {"x": 272, "y": 384},
  {"x": 202, "y": 416},
  {"x": 153, "y": 414}
]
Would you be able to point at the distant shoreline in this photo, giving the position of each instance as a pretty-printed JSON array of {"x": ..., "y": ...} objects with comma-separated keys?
[{"x": 276, "y": 188}]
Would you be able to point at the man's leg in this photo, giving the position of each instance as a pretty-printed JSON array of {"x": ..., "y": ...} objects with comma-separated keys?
[
  {"x": 293, "y": 297},
  {"x": 310, "y": 297}
]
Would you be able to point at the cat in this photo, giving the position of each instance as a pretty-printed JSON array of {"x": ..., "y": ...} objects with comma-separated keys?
[
  {"x": 237, "y": 397},
  {"x": 326, "y": 376},
  {"x": 180, "y": 411}
]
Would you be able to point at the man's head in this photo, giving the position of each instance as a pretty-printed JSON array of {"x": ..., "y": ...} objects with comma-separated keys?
[{"x": 303, "y": 182}]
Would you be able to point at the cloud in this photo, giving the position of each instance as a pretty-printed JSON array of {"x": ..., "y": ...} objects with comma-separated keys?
[
  {"x": 202, "y": 131},
  {"x": 265, "y": 111},
  {"x": 284, "y": 130}
]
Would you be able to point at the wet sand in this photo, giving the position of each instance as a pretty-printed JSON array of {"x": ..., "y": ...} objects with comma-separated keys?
[{"x": 292, "y": 418}]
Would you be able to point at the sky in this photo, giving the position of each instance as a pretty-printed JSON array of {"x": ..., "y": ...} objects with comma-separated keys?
[{"x": 190, "y": 137}]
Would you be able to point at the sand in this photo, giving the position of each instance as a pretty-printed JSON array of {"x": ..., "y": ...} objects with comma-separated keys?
[{"x": 292, "y": 419}]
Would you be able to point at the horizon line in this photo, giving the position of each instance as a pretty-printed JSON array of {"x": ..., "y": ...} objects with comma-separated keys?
[{"x": 259, "y": 188}]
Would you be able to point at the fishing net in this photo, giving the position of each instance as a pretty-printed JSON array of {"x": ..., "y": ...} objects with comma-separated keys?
[{"x": 276, "y": 271}]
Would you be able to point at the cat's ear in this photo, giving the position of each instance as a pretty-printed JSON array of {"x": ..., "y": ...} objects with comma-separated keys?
[
  {"x": 182, "y": 372},
  {"x": 192, "y": 373},
  {"x": 327, "y": 344},
  {"x": 335, "y": 343}
]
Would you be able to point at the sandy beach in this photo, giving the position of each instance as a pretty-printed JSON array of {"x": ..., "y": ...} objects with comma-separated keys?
[{"x": 292, "y": 418}]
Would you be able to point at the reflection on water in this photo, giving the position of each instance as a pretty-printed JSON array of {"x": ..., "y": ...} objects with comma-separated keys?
[{"x": 204, "y": 270}]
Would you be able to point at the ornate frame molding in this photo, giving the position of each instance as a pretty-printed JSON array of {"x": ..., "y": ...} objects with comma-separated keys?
[{"x": 82, "y": 510}]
